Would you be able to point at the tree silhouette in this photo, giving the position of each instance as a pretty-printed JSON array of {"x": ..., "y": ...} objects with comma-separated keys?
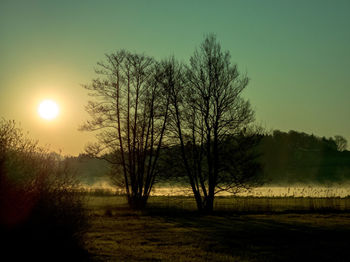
[
  {"x": 130, "y": 111},
  {"x": 341, "y": 142},
  {"x": 207, "y": 109}
]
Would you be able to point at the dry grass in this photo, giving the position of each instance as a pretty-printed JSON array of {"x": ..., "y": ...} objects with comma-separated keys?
[{"x": 171, "y": 230}]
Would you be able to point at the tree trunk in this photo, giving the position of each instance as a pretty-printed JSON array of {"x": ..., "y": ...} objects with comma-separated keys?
[
  {"x": 137, "y": 202},
  {"x": 209, "y": 203}
]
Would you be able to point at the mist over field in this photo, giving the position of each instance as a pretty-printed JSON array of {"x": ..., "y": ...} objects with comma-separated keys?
[{"x": 295, "y": 165}]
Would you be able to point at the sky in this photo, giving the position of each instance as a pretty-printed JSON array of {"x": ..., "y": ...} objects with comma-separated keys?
[{"x": 296, "y": 54}]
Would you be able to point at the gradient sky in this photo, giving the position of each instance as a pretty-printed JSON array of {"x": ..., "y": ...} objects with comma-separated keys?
[{"x": 296, "y": 53}]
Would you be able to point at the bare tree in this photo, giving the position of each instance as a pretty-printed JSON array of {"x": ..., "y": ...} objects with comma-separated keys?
[
  {"x": 207, "y": 109},
  {"x": 341, "y": 143},
  {"x": 130, "y": 111}
]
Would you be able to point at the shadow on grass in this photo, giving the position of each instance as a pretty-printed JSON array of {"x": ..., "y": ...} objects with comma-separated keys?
[{"x": 263, "y": 237}]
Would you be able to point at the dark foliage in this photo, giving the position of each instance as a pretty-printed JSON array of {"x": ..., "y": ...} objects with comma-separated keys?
[
  {"x": 41, "y": 213},
  {"x": 276, "y": 158},
  {"x": 239, "y": 162},
  {"x": 296, "y": 157}
]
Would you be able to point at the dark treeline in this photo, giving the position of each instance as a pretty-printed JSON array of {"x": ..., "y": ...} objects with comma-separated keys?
[
  {"x": 296, "y": 157},
  {"x": 89, "y": 170},
  {"x": 284, "y": 158},
  {"x": 239, "y": 161}
]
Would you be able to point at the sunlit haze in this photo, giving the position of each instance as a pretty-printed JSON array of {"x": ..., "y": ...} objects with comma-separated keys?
[{"x": 295, "y": 53}]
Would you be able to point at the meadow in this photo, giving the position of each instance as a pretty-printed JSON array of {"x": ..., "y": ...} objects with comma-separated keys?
[{"x": 240, "y": 229}]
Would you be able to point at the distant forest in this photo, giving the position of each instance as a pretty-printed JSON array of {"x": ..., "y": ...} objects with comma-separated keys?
[
  {"x": 295, "y": 157},
  {"x": 285, "y": 158}
]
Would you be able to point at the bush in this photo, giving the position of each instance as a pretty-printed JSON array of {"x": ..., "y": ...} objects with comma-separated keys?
[{"x": 41, "y": 212}]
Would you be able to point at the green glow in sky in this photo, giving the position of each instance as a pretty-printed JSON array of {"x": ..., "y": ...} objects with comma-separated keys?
[{"x": 296, "y": 53}]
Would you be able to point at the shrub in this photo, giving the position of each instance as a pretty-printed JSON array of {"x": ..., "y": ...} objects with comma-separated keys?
[{"x": 41, "y": 213}]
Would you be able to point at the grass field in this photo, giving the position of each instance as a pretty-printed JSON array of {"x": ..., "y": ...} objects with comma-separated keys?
[{"x": 171, "y": 230}]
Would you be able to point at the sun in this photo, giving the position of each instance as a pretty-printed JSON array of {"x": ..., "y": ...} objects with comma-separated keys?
[{"x": 48, "y": 109}]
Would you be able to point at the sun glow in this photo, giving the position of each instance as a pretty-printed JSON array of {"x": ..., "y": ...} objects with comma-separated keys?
[{"x": 48, "y": 109}]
